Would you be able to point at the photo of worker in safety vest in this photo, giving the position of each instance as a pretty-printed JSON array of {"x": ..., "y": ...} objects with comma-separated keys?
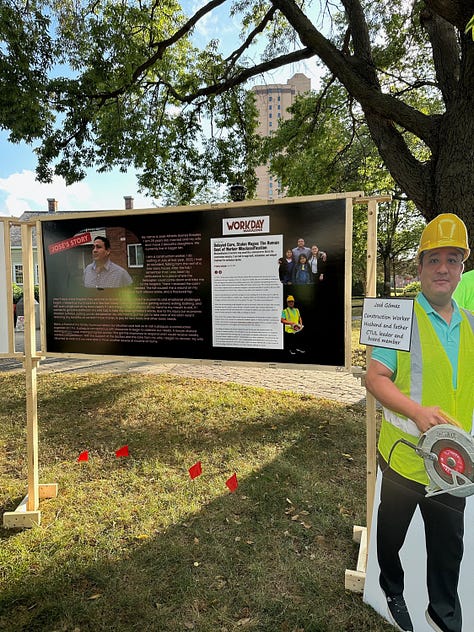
[
  {"x": 291, "y": 319},
  {"x": 419, "y": 390}
]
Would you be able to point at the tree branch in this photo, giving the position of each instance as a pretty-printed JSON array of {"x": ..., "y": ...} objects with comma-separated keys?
[
  {"x": 163, "y": 46},
  {"x": 445, "y": 48},
  {"x": 224, "y": 84},
  {"x": 190, "y": 24},
  {"x": 235, "y": 55},
  {"x": 406, "y": 170},
  {"x": 456, "y": 12},
  {"x": 360, "y": 38},
  {"x": 242, "y": 76},
  {"x": 353, "y": 74}
]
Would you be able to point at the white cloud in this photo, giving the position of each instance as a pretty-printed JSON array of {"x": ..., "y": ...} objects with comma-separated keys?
[
  {"x": 217, "y": 24},
  {"x": 207, "y": 25},
  {"x": 22, "y": 192}
]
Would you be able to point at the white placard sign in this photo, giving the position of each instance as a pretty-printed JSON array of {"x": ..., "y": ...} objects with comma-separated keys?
[{"x": 386, "y": 322}]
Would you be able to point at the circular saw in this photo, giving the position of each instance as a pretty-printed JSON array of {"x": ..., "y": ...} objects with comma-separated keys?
[{"x": 448, "y": 453}]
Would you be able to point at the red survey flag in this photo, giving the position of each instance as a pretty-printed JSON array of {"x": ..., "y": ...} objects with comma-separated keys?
[
  {"x": 195, "y": 470},
  {"x": 232, "y": 483},
  {"x": 84, "y": 456},
  {"x": 123, "y": 451}
]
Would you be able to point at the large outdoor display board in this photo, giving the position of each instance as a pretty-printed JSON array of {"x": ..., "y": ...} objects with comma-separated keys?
[{"x": 198, "y": 284}]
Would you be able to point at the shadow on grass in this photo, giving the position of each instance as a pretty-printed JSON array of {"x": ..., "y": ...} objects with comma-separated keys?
[
  {"x": 270, "y": 557},
  {"x": 148, "y": 415}
]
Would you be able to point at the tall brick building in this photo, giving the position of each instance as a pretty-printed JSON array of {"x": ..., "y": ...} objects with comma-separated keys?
[{"x": 273, "y": 101}]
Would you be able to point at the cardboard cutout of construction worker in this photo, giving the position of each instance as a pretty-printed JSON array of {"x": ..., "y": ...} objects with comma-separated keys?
[{"x": 417, "y": 388}]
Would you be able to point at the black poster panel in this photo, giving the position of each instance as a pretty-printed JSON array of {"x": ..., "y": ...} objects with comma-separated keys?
[{"x": 198, "y": 284}]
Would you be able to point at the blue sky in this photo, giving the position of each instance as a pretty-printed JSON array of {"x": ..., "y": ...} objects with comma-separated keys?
[{"x": 19, "y": 190}]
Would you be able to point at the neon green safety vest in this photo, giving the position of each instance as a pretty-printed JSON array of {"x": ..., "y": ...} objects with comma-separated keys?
[
  {"x": 293, "y": 315},
  {"x": 425, "y": 376}
]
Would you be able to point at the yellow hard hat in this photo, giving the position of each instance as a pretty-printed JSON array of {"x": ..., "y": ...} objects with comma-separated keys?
[
  {"x": 443, "y": 231},
  {"x": 290, "y": 298}
]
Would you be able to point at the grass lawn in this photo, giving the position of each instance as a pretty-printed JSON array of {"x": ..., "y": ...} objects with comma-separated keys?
[{"x": 133, "y": 543}]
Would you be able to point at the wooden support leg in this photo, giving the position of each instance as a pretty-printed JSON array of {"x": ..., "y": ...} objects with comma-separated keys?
[
  {"x": 22, "y": 518},
  {"x": 355, "y": 580}
]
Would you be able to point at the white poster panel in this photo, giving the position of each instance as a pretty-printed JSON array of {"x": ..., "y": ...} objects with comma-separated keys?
[
  {"x": 246, "y": 294},
  {"x": 413, "y": 558},
  {"x": 5, "y": 294}
]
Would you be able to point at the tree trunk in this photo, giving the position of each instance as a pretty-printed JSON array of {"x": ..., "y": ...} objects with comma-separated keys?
[
  {"x": 453, "y": 173},
  {"x": 394, "y": 277},
  {"x": 386, "y": 277},
  {"x": 444, "y": 183}
]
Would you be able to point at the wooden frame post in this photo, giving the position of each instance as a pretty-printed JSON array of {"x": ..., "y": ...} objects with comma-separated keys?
[
  {"x": 371, "y": 290},
  {"x": 30, "y": 363},
  {"x": 355, "y": 580},
  {"x": 27, "y": 513}
]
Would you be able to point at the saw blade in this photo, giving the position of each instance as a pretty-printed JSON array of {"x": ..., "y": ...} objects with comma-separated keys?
[
  {"x": 451, "y": 456},
  {"x": 448, "y": 453}
]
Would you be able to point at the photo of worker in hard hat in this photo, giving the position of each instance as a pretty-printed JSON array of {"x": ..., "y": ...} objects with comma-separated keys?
[
  {"x": 420, "y": 389},
  {"x": 291, "y": 319}
]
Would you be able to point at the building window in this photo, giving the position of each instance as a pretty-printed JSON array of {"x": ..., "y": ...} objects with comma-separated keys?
[
  {"x": 269, "y": 124},
  {"x": 18, "y": 273},
  {"x": 269, "y": 115},
  {"x": 269, "y": 107},
  {"x": 135, "y": 255}
]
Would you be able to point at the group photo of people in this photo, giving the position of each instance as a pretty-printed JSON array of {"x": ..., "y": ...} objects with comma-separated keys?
[
  {"x": 302, "y": 272},
  {"x": 302, "y": 265}
]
